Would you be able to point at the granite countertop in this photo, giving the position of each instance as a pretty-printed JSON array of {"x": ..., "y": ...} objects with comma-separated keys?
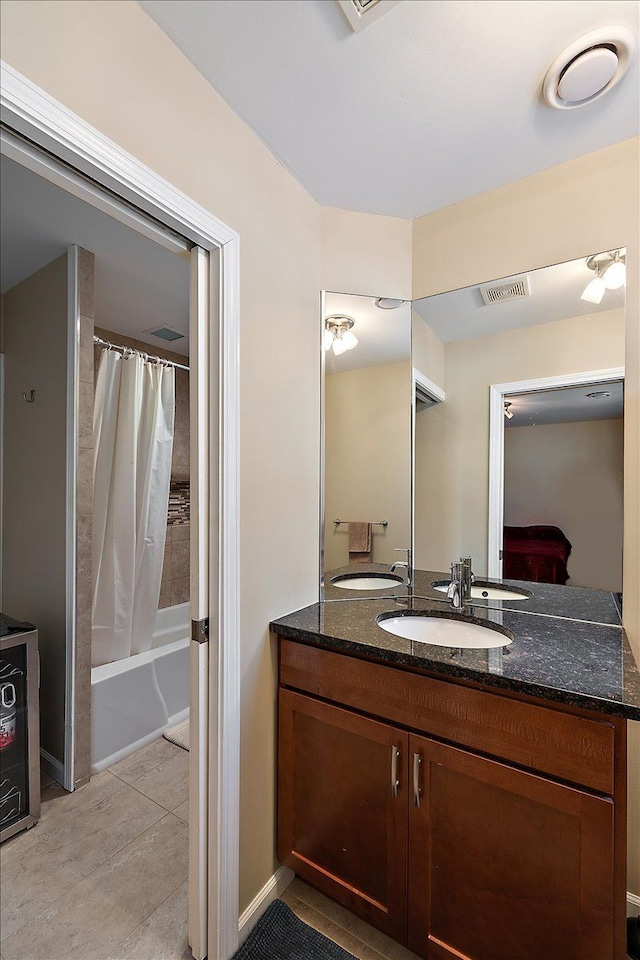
[
  {"x": 573, "y": 603},
  {"x": 576, "y": 662}
]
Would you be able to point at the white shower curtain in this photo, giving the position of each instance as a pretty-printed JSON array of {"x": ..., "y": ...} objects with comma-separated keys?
[{"x": 133, "y": 440}]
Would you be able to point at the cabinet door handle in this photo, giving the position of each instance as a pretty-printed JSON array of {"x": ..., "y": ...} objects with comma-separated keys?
[
  {"x": 417, "y": 760},
  {"x": 395, "y": 783}
]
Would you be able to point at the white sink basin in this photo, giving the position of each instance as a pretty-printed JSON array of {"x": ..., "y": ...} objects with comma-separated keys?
[
  {"x": 487, "y": 591},
  {"x": 444, "y": 632},
  {"x": 366, "y": 581}
]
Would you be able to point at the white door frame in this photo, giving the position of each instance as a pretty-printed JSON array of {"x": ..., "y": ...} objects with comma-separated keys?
[
  {"x": 32, "y": 113},
  {"x": 497, "y": 393}
]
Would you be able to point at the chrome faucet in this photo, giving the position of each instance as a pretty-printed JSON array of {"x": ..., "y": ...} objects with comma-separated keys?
[
  {"x": 404, "y": 563},
  {"x": 455, "y": 590},
  {"x": 467, "y": 579}
]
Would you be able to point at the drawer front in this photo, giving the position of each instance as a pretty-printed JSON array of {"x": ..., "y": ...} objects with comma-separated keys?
[{"x": 561, "y": 744}]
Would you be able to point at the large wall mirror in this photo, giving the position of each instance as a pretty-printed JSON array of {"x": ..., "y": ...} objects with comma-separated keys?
[
  {"x": 367, "y": 432},
  {"x": 521, "y": 465},
  {"x": 484, "y": 422}
]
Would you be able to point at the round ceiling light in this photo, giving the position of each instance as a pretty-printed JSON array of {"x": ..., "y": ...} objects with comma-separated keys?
[
  {"x": 388, "y": 303},
  {"x": 588, "y": 68}
]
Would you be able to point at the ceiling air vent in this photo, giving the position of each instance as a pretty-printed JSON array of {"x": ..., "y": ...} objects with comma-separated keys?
[
  {"x": 506, "y": 291},
  {"x": 360, "y": 13},
  {"x": 165, "y": 333}
]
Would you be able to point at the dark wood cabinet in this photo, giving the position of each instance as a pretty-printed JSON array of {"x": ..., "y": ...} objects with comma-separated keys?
[
  {"x": 343, "y": 809},
  {"x": 506, "y": 864},
  {"x": 506, "y": 844}
]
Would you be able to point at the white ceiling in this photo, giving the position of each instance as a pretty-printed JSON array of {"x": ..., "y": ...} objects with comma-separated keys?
[
  {"x": 569, "y": 405},
  {"x": 384, "y": 336},
  {"x": 555, "y": 295},
  {"x": 436, "y": 101},
  {"x": 138, "y": 283}
]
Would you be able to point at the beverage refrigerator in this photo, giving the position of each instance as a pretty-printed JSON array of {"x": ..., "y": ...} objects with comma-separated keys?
[{"x": 19, "y": 727}]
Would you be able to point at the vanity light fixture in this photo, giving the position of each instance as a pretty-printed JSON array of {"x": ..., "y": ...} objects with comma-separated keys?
[
  {"x": 508, "y": 412},
  {"x": 338, "y": 333},
  {"x": 610, "y": 274}
]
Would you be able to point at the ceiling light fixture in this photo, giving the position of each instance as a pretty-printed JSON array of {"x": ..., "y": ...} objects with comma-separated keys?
[
  {"x": 599, "y": 395},
  {"x": 388, "y": 303},
  {"x": 508, "y": 412},
  {"x": 338, "y": 333},
  {"x": 610, "y": 274}
]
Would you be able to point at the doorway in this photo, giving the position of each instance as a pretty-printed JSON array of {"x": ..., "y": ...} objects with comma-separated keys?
[
  {"x": 135, "y": 193},
  {"x": 576, "y": 418}
]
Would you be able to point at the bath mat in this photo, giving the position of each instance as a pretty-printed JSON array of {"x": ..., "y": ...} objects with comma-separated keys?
[
  {"x": 178, "y": 735},
  {"x": 280, "y": 935}
]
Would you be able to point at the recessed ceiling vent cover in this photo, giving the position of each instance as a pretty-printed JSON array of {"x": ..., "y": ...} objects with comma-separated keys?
[
  {"x": 506, "y": 291},
  {"x": 165, "y": 333},
  {"x": 588, "y": 68},
  {"x": 360, "y": 13}
]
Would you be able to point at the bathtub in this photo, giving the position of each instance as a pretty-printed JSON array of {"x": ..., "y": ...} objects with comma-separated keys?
[{"x": 134, "y": 700}]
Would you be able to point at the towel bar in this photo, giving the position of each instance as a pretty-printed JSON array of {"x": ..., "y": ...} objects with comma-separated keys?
[{"x": 382, "y": 523}]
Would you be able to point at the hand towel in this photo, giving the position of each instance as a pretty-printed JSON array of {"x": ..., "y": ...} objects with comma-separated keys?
[{"x": 359, "y": 541}]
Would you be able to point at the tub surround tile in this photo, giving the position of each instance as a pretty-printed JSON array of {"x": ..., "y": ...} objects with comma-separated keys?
[
  {"x": 165, "y": 596},
  {"x": 180, "y": 531},
  {"x": 582, "y": 664},
  {"x": 86, "y": 278},
  {"x": 85, "y": 414},
  {"x": 84, "y": 547},
  {"x": 180, "y": 559},
  {"x": 101, "y": 911},
  {"x": 163, "y": 935},
  {"x": 63, "y": 850},
  {"x": 86, "y": 364},
  {"x": 180, "y": 589}
]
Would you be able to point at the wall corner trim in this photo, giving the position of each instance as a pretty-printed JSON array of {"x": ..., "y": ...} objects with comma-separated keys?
[{"x": 273, "y": 888}]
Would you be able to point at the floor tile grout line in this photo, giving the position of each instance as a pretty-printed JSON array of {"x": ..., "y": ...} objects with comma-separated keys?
[
  {"x": 142, "y": 922},
  {"x": 331, "y": 920},
  {"x": 146, "y": 795},
  {"x": 318, "y": 909},
  {"x": 99, "y": 867}
]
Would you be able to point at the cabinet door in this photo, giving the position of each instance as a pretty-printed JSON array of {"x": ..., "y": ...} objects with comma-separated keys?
[
  {"x": 343, "y": 807},
  {"x": 505, "y": 865}
]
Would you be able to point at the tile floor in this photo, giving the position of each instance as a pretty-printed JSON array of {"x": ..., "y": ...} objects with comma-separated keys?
[
  {"x": 103, "y": 876},
  {"x": 341, "y": 926}
]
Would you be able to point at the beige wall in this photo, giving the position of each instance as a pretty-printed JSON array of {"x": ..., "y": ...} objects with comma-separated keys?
[
  {"x": 368, "y": 459},
  {"x": 35, "y": 478},
  {"x": 570, "y": 475},
  {"x": 140, "y": 91},
  {"x": 366, "y": 254},
  {"x": 581, "y": 207},
  {"x": 427, "y": 350},
  {"x": 452, "y": 488}
]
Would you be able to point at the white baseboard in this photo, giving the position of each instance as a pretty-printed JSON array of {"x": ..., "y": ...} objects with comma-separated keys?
[
  {"x": 273, "y": 888},
  {"x": 51, "y": 766},
  {"x": 633, "y": 905}
]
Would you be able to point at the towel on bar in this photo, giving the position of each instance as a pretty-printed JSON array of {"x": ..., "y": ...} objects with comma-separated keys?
[{"x": 359, "y": 541}]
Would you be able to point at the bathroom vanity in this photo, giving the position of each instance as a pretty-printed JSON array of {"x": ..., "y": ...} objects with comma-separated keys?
[{"x": 469, "y": 803}]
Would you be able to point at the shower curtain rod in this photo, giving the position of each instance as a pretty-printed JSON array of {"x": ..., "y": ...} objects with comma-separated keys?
[{"x": 148, "y": 356}]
